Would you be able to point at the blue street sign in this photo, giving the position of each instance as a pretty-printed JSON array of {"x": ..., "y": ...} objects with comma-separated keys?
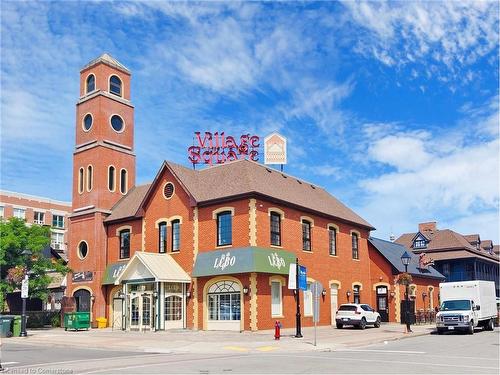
[{"x": 302, "y": 278}]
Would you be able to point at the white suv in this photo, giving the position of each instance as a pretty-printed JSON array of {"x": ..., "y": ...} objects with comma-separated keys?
[{"x": 356, "y": 314}]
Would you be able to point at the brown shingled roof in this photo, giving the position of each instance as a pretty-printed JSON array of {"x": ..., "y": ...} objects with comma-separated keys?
[
  {"x": 445, "y": 240},
  {"x": 245, "y": 177},
  {"x": 486, "y": 244},
  {"x": 129, "y": 204},
  {"x": 472, "y": 238}
]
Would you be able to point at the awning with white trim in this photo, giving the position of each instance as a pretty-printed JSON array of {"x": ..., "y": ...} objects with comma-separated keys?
[{"x": 153, "y": 266}]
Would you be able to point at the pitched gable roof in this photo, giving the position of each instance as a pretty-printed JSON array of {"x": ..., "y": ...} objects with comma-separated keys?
[
  {"x": 129, "y": 204},
  {"x": 243, "y": 177},
  {"x": 445, "y": 240},
  {"x": 393, "y": 252},
  {"x": 106, "y": 58}
]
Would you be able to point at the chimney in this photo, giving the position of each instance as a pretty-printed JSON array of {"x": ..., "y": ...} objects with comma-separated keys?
[{"x": 429, "y": 227}]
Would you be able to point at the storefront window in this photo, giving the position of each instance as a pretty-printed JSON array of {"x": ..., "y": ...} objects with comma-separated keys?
[
  {"x": 224, "y": 301},
  {"x": 173, "y": 308}
]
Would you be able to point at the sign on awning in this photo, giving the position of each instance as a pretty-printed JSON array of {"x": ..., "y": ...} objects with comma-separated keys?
[
  {"x": 243, "y": 260},
  {"x": 112, "y": 272}
]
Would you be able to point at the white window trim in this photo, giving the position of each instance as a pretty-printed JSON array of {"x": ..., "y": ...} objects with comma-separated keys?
[
  {"x": 123, "y": 227},
  {"x": 37, "y": 221},
  {"x": 281, "y": 281},
  {"x": 122, "y": 91},
  {"x": 276, "y": 210},
  {"x": 123, "y": 121},
  {"x": 91, "y": 178},
  {"x": 87, "y": 92},
  {"x": 126, "y": 181},
  {"x": 83, "y": 122},
  {"x": 114, "y": 178},
  {"x": 163, "y": 190},
  {"x": 78, "y": 250},
  {"x": 81, "y": 180},
  {"x": 309, "y": 219},
  {"x": 220, "y": 210}
]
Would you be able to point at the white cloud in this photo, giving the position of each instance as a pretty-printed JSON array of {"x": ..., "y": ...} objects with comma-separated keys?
[
  {"x": 454, "y": 33},
  {"x": 457, "y": 184},
  {"x": 405, "y": 152}
]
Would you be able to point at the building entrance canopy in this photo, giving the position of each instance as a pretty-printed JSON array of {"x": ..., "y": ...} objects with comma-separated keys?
[
  {"x": 243, "y": 260},
  {"x": 146, "y": 266}
]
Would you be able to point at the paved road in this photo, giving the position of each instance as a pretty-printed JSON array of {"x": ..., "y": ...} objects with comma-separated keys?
[{"x": 450, "y": 353}]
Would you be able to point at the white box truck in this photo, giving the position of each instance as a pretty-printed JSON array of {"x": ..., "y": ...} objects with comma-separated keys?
[{"x": 465, "y": 305}]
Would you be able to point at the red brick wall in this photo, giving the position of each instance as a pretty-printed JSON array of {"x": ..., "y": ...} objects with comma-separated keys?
[
  {"x": 208, "y": 225},
  {"x": 382, "y": 271}
]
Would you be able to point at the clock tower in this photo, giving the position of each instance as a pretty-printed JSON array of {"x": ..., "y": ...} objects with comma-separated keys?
[{"x": 103, "y": 172}]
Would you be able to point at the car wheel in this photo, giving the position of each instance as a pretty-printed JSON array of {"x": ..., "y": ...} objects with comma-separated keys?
[
  {"x": 339, "y": 326},
  {"x": 377, "y": 323},
  {"x": 470, "y": 330},
  {"x": 362, "y": 324},
  {"x": 490, "y": 326},
  {"x": 440, "y": 331}
]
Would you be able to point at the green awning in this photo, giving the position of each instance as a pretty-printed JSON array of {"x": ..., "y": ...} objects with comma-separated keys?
[
  {"x": 243, "y": 260},
  {"x": 112, "y": 272}
]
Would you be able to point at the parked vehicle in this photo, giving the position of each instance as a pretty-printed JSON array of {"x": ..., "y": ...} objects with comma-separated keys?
[
  {"x": 355, "y": 314},
  {"x": 466, "y": 305}
]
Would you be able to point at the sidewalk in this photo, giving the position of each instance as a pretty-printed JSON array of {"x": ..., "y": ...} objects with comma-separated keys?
[{"x": 186, "y": 341}]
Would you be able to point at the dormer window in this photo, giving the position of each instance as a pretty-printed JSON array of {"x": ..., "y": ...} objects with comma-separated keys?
[{"x": 419, "y": 244}]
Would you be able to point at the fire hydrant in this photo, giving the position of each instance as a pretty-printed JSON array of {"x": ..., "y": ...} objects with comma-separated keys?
[{"x": 277, "y": 330}]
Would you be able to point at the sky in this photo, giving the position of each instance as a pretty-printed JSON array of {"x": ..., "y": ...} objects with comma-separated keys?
[{"x": 393, "y": 107}]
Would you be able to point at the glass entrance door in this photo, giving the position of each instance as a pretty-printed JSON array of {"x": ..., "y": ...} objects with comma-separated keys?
[{"x": 141, "y": 311}]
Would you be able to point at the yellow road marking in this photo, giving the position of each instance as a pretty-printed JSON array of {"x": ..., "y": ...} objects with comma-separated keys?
[
  {"x": 236, "y": 348},
  {"x": 267, "y": 348}
]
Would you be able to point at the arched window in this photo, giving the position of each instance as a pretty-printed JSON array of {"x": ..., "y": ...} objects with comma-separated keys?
[
  {"x": 111, "y": 178},
  {"x": 162, "y": 237},
  {"x": 90, "y": 83},
  {"x": 89, "y": 178},
  {"x": 224, "y": 301},
  {"x": 176, "y": 235},
  {"x": 123, "y": 181},
  {"x": 115, "y": 85},
  {"x": 80, "y": 180}
]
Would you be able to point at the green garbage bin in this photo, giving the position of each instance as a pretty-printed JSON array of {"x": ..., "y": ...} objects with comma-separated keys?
[
  {"x": 16, "y": 325},
  {"x": 6, "y": 325},
  {"x": 77, "y": 320}
]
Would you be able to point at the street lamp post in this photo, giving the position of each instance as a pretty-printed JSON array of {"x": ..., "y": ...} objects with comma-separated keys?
[
  {"x": 405, "y": 259},
  {"x": 27, "y": 254}
]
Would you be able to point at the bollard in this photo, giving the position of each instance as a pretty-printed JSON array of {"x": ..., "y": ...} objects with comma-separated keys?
[{"x": 277, "y": 330}]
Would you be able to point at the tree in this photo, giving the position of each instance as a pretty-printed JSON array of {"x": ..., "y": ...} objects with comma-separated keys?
[{"x": 15, "y": 237}]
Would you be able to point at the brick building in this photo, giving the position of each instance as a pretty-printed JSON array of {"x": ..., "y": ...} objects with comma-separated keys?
[
  {"x": 205, "y": 249},
  {"x": 385, "y": 266},
  {"x": 39, "y": 210},
  {"x": 42, "y": 211}
]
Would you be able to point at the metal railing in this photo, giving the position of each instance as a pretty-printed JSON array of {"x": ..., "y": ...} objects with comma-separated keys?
[{"x": 425, "y": 316}]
